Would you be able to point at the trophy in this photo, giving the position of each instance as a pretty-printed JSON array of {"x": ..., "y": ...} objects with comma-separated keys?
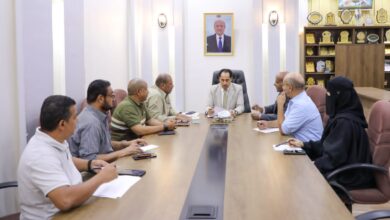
[
  {"x": 310, "y": 67},
  {"x": 361, "y": 37},
  {"x": 331, "y": 51},
  {"x": 330, "y": 21},
  {"x": 387, "y": 34},
  {"x": 329, "y": 67},
  {"x": 310, "y": 39},
  {"x": 321, "y": 83},
  {"x": 381, "y": 16},
  {"x": 324, "y": 51},
  {"x": 326, "y": 38},
  {"x": 320, "y": 66},
  {"x": 344, "y": 38},
  {"x": 309, "y": 51},
  {"x": 310, "y": 82}
]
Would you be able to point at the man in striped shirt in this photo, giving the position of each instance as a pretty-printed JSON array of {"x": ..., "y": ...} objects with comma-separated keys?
[{"x": 130, "y": 119}]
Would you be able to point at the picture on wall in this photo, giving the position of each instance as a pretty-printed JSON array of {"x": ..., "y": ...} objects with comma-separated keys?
[
  {"x": 218, "y": 34},
  {"x": 355, "y": 4}
]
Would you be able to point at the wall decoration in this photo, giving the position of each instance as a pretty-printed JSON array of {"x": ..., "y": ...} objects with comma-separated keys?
[
  {"x": 381, "y": 16},
  {"x": 218, "y": 34},
  {"x": 314, "y": 18}
]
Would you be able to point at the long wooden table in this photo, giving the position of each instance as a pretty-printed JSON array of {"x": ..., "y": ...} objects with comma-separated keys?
[
  {"x": 369, "y": 95},
  {"x": 260, "y": 182}
]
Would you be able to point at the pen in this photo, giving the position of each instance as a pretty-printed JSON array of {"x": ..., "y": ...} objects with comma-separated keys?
[{"x": 284, "y": 142}]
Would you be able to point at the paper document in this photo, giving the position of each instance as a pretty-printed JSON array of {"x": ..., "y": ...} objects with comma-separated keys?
[
  {"x": 267, "y": 130},
  {"x": 117, "y": 187},
  {"x": 284, "y": 147},
  {"x": 148, "y": 147}
]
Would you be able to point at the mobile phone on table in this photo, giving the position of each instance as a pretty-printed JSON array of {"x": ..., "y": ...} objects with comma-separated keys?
[
  {"x": 294, "y": 152},
  {"x": 142, "y": 156},
  {"x": 167, "y": 133},
  {"x": 132, "y": 172}
]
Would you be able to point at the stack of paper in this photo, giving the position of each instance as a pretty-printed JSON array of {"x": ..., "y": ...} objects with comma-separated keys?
[
  {"x": 117, "y": 187},
  {"x": 283, "y": 147},
  {"x": 267, "y": 130},
  {"x": 148, "y": 147}
]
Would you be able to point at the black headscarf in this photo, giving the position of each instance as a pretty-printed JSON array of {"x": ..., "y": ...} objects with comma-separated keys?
[{"x": 342, "y": 101}]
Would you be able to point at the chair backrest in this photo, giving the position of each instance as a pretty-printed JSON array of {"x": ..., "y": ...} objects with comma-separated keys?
[
  {"x": 120, "y": 94},
  {"x": 14, "y": 216},
  {"x": 379, "y": 137},
  {"x": 318, "y": 95},
  {"x": 238, "y": 78}
]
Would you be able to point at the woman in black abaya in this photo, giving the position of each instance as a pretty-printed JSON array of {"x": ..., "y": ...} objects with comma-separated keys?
[{"x": 344, "y": 140}]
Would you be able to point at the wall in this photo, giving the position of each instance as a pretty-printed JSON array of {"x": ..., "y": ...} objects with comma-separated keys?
[
  {"x": 199, "y": 68},
  {"x": 9, "y": 126},
  {"x": 105, "y": 42}
]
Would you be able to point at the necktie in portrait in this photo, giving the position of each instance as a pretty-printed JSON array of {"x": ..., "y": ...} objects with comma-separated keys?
[{"x": 220, "y": 44}]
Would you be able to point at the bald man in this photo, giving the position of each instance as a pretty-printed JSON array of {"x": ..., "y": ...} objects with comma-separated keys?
[
  {"x": 219, "y": 42},
  {"x": 269, "y": 113},
  {"x": 158, "y": 102},
  {"x": 302, "y": 119},
  {"x": 130, "y": 119}
]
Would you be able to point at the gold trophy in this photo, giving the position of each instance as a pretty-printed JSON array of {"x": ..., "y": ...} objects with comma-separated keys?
[
  {"x": 361, "y": 37},
  {"x": 344, "y": 38},
  {"x": 310, "y": 67},
  {"x": 326, "y": 38},
  {"x": 381, "y": 16},
  {"x": 330, "y": 21}
]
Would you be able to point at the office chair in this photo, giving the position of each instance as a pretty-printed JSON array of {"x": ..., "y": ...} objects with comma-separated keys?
[
  {"x": 238, "y": 78},
  {"x": 4, "y": 186},
  {"x": 318, "y": 96},
  {"x": 379, "y": 138},
  {"x": 120, "y": 94},
  {"x": 373, "y": 215}
]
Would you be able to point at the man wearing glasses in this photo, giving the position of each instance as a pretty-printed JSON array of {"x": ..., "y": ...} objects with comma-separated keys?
[{"x": 92, "y": 138}]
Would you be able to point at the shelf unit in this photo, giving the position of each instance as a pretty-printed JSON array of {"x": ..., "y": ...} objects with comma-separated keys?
[{"x": 358, "y": 60}]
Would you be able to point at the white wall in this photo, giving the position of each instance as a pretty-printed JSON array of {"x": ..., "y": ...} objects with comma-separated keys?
[
  {"x": 199, "y": 68},
  {"x": 9, "y": 138},
  {"x": 105, "y": 42}
]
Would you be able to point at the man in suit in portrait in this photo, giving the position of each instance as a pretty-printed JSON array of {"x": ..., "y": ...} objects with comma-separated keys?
[
  {"x": 219, "y": 42},
  {"x": 226, "y": 95}
]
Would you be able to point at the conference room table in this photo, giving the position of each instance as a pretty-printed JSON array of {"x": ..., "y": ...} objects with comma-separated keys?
[{"x": 260, "y": 183}]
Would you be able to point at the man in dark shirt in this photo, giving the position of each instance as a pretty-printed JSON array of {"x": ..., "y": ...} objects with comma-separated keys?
[{"x": 269, "y": 113}]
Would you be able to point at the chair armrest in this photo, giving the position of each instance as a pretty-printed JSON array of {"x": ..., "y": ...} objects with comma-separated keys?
[
  {"x": 357, "y": 166},
  {"x": 8, "y": 184},
  {"x": 377, "y": 214}
]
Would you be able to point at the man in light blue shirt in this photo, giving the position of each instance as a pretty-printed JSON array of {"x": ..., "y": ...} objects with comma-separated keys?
[{"x": 302, "y": 119}]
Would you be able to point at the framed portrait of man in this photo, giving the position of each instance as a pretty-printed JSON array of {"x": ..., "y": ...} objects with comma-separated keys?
[{"x": 218, "y": 34}]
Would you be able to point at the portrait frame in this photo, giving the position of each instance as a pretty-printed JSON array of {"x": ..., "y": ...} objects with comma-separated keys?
[{"x": 211, "y": 47}]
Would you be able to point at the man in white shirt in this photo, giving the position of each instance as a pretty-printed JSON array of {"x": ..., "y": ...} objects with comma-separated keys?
[{"x": 48, "y": 177}]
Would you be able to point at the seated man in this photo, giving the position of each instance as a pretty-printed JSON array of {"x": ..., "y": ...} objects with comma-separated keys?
[
  {"x": 48, "y": 177},
  {"x": 92, "y": 138},
  {"x": 302, "y": 119},
  {"x": 269, "y": 113},
  {"x": 226, "y": 95},
  {"x": 158, "y": 102},
  {"x": 131, "y": 120}
]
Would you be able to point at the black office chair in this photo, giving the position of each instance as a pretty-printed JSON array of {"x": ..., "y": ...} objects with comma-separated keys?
[
  {"x": 373, "y": 215},
  {"x": 238, "y": 78},
  {"x": 4, "y": 186}
]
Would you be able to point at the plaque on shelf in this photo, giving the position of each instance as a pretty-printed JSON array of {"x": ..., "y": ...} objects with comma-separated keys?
[
  {"x": 346, "y": 16},
  {"x": 387, "y": 34},
  {"x": 381, "y": 16},
  {"x": 314, "y": 17},
  {"x": 310, "y": 81},
  {"x": 361, "y": 36},
  {"x": 324, "y": 51},
  {"x": 344, "y": 38},
  {"x": 320, "y": 66},
  {"x": 326, "y": 38},
  {"x": 310, "y": 67},
  {"x": 372, "y": 38},
  {"x": 329, "y": 67},
  {"x": 321, "y": 83},
  {"x": 310, "y": 39},
  {"x": 330, "y": 21},
  {"x": 331, "y": 51},
  {"x": 309, "y": 51},
  {"x": 387, "y": 51}
]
